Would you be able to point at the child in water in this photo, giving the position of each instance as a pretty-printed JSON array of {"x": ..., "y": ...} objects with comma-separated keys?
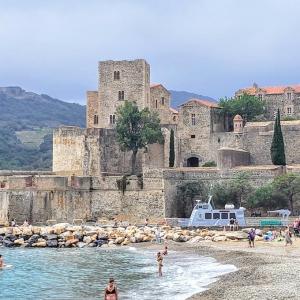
[{"x": 159, "y": 259}]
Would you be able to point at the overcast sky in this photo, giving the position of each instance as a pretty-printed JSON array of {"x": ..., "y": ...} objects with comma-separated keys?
[{"x": 211, "y": 47}]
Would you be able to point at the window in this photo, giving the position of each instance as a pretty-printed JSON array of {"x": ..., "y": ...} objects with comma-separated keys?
[
  {"x": 112, "y": 119},
  {"x": 155, "y": 103},
  {"x": 193, "y": 119},
  {"x": 289, "y": 110},
  {"x": 216, "y": 216},
  {"x": 193, "y": 136},
  {"x": 274, "y": 114},
  {"x": 96, "y": 120},
  {"x": 224, "y": 216},
  {"x": 260, "y": 96},
  {"x": 121, "y": 95},
  {"x": 232, "y": 216},
  {"x": 208, "y": 216},
  {"x": 162, "y": 100},
  {"x": 116, "y": 75},
  {"x": 289, "y": 96},
  {"x": 174, "y": 118}
]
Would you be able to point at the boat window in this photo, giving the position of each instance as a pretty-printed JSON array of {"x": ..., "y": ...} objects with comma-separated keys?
[
  {"x": 205, "y": 206},
  {"x": 216, "y": 215},
  {"x": 207, "y": 215},
  {"x": 232, "y": 216},
  {"x": 224, "y": 215}
]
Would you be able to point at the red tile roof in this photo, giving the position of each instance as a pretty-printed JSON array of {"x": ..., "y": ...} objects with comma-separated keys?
[
  {"x": 203, "y": 102},
  {"x": 271, "y": 89}
]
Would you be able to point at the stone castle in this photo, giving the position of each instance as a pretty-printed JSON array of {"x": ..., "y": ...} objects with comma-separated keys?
[{"x": 88, "y": 163}]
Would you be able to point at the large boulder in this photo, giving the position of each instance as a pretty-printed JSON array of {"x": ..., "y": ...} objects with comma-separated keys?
[
  {"x": 71, "y": 242},
  {"x": 220, "y": 238},
  {"x": 50, "y": 236},
  {"x": 10, "y": 237},
  {"x": 119, "y": 240},
  {"x": 52, "y": 243},
  {"x": 27, "y": 231},
  {"x": 16, "y": 231},
  {"x": 87, "y": 239},
  {"x": 8, "y": 243},
  {"x": 3, "y": 230},
  {"x": 60, "y": 228},
  {"x": 236, "y": 235},
  {"x": 19, "y": 242},
  {"x": 33, "y": 239}
]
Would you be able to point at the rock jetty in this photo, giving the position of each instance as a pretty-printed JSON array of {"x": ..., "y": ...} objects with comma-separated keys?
[{"x": 66, "y": 235}]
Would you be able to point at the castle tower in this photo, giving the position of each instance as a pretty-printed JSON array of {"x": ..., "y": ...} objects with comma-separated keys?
[
  {"x": 120, "y": 81},
  {"x": 238, "y": 124}
]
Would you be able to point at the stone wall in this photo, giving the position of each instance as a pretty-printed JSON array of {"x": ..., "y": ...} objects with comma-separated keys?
[{"x": 92, "y": 109}]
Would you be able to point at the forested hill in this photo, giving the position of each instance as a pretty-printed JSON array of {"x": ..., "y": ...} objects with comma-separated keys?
[{"x": 26, "y": 123}]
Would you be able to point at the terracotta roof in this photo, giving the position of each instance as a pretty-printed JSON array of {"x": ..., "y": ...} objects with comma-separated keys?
[
  {"x": 271, "y": 89},
  {"x": 152, "y": 85},
  {"x": 202, "y": 102},
  {"x": 173, "y": 110}
]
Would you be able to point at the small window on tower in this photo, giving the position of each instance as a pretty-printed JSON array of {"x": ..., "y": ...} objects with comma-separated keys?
[
  {"x": 121, "y": 95},
  {"x": 289, "y": 96},
  {"x": 162, "y": 100},
  {"x": 193, "y": 136},
  {"x": 155, "y": 103},
  {"x": 260, "y": 96},
  {"x": 116, "y": 75},
  {"x": 289, "y": 110},
  {"x": 96, "y": 120},
  {"x": 112, "y": 119},
  {"x": 193, "y": 119}
]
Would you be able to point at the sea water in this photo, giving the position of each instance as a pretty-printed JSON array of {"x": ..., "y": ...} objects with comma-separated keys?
[{"x": 84, "y": 273}]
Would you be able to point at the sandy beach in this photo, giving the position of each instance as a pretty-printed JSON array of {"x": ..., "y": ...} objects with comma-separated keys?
[{"x": 268, "y": 271}]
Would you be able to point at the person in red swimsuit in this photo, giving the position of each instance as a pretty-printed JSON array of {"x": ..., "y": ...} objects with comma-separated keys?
[{"x": 111, "y": 292}]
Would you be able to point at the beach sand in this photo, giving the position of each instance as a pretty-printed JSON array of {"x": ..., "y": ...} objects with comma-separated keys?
[{"x": 268, "y": 271}]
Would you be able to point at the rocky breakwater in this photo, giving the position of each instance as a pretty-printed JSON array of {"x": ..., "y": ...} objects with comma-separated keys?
[{"x": 66, "y": 235}]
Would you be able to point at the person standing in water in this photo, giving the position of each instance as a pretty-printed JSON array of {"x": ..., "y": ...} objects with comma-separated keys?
[
  {"x": 287, "y": 236},
  {"x": 165, "y": 251},
  {"x": 159, "y": 259},
  {"x": 111, "y": 292},
  {"x": 1, "y": 262}
]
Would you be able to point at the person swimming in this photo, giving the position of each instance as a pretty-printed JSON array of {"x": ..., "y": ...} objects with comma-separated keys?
[
  {"x": 165, "y": 251},
  {"x": 1, "y": 262},
  {"x": 111, "y": 292}
]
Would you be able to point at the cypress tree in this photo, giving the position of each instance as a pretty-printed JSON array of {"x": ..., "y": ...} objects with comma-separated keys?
[
  {"x": 172, "y": 150},
  {"x": 277, "y": 147}
]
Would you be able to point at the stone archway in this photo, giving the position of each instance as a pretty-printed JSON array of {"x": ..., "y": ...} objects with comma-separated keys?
[{"x": 192, "y": 161}]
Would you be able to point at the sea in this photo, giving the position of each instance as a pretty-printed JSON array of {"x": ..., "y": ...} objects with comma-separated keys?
[{"x": 75, "y": 273}]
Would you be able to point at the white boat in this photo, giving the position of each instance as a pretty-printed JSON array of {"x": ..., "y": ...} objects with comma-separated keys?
[{"x": 204, "y": 214}]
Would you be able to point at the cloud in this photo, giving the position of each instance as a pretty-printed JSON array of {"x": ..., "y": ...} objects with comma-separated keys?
[{"x": 207, "y": 46}]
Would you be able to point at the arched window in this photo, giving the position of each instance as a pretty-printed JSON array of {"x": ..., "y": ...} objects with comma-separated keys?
[
  {"x": 156, "y": 103},
  {"x": 116, "y": 75},
  {"x": 96, "y": 120},
  {"x": 193, "y": 162},
  {"x": 162, "y": 100},
  {"x": 121, "y": 95}
]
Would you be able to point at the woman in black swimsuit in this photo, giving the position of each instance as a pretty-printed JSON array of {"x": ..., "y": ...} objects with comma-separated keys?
[{"x": 111, "y": 292}]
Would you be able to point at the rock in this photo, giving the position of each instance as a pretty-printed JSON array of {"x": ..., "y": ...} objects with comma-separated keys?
[
  {"x": 91, "y": 233},
  {"x": 138, "y": 237},
  {"x": 61, "y": 244},
  {"x": 147, "y": 238},
  {"x": 36, "y": 229},
  {"x": 102, "y": 236},
  {"x": 119, "y": 240},
  {"x": 78, "y": 235},
  {"x": 87, "y": 239},
  {"x": 74, "y": 228},
  {"x": 50, "y": 236},
  {"x": 236, "y": 235},
  {"x": 208, "y": 238},
  {"x": 33, "y": 239},
  {"x": 19, "y": 242},
  {"x": 92, "y": 245},
  {"x": 40, "y": 244},
  {"x": 196, "y": 239},
  {"x": 110, "y": 243},
  {"x": 221, "y": 238},
  {"x": 60, "y": 228},
  {"x": 178, "y": 238},
  {"x": 81, "y": 244},
  {"x": 52, "y": 243},
  {"x": 125, "y": 242},
  {"x": 10, "y": 237},
  {"x": 71, "y": 242},
  {"x": 3, "y": 230},
  {"x": 26, "y": 231},
  {"x": 132, "y": 239},
  {"x": 16, "y": 231},
  {"x": 8, "y": 243}
]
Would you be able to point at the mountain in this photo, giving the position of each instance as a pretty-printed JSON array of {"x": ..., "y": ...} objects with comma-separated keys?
[
  {"x": 179, "y": 97},
  {"x": 26, "y": 123}
]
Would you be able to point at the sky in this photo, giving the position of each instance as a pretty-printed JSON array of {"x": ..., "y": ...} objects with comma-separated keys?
[{"x": 210, "y": 47}]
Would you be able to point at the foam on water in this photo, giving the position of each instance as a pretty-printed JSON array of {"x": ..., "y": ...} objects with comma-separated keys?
[{"x": 83, "y": 274}]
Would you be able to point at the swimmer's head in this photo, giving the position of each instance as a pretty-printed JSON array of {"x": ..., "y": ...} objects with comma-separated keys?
[{"x": 111, "y": 280}]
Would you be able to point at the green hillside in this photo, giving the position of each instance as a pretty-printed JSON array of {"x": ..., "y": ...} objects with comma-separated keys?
[{"x": 26, "y": 123}]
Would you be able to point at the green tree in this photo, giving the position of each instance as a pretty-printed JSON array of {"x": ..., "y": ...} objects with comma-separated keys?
[
  {"x": 267, "y": 197},
  {"x": 242, "y": 187},
  {"x": 136, "y": 129},
  {"x": 289, "y": 186},
  {"x": 172, "y": 149},
  {"x": 186, "y": 196},
  {"x": 248, "y": 106},
  {"x": 277, "y": 147},
  {"x": 224, "y": 193}
]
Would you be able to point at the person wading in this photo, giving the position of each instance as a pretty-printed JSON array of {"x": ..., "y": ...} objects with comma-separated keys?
[
  {"x": 159, "y": 259},
  {"x": 111, "y": 292}
]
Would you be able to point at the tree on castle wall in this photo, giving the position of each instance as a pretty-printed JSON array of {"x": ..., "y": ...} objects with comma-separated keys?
[
  {"x": 248, "y": 106},
  {"x": 136, "y": 129},
  {"x": 277, "y": 147},
  {"x": 172, "y": 149}
]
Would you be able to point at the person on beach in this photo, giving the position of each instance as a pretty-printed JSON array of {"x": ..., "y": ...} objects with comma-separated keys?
[
  {"x": 13, "y": 223},
  {"x": 165, "y": 251},
  {"x": 287, "y": 236},
  {"x": 231, "y": 224},
  {"x": 146, "y": 222},
  {"x": 1, "y": 262},
  {"x": 111, "y": 292},
  {"x": 26, "y": 224},
  {"x": 159, "y": 259},
  {"x": 157, "y": 235},
  {"x": 251, "y": 237}
]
